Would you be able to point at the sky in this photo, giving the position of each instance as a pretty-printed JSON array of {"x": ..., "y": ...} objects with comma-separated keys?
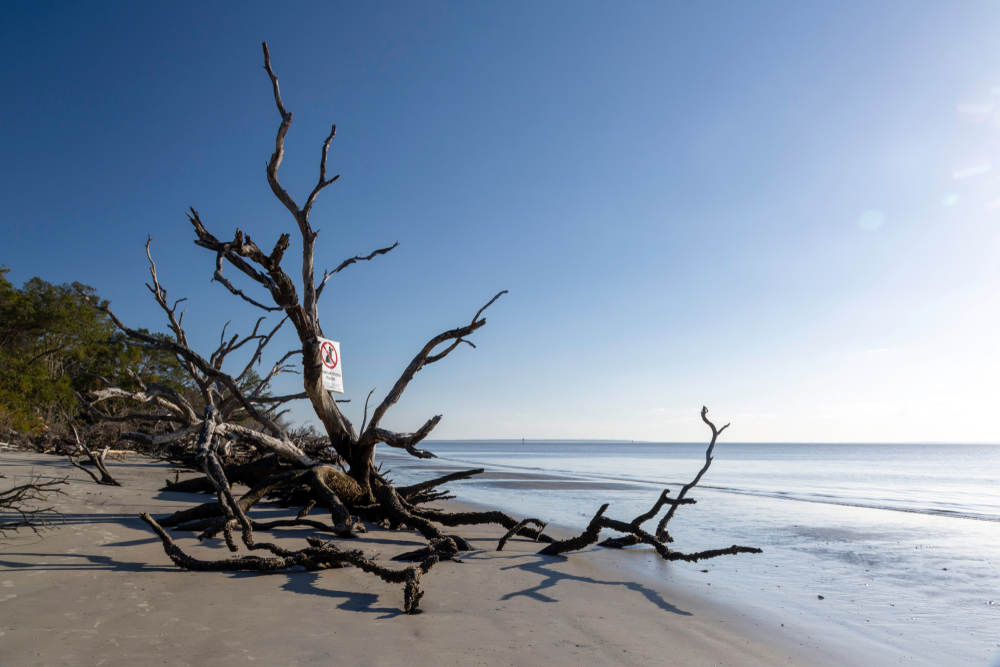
[{"x": 787, "y": 212}]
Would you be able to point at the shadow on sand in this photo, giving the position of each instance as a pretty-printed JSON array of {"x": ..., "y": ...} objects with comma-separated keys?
[{"x": 541, "y": 566}]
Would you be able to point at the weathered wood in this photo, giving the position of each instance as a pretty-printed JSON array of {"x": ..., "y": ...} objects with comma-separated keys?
[
  {"x": 407, "y": 491},
  {"x": 521, "y": 524},
  {"x": 318, "y": 555},
  {"x": 96, "y": 461},
  {"x": 453, "y": 519}
]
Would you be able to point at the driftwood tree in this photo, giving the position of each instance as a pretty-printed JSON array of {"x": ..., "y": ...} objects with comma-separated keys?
[{"x": 346, "y": 484}]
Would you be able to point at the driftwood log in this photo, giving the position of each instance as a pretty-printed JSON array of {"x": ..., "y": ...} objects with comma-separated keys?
[{"x": 222, "y": 411}]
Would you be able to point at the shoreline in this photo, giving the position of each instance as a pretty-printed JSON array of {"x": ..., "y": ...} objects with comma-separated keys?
[
  {"x": 856, "y": 585},
  {"x": 100, "y": 588}
]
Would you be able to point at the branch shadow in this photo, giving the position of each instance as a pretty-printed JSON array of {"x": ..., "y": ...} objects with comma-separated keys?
[
  {"x": 56, "y": 519},
  {"x": 305, "y": 583},
  {"x": 551, "y": 578},
  {"x": 93, "y": 562}
]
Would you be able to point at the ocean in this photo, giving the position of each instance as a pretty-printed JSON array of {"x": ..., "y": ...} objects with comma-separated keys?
[{"x": 901, "y": 541}]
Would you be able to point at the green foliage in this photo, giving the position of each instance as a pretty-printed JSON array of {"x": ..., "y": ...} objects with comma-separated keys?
[{"x": 52, "y": 342}]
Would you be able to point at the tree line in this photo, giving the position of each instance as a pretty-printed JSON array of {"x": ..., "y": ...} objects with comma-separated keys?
[{"x": 55, "y": 347}]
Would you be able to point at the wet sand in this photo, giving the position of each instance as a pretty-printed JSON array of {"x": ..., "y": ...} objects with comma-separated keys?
[{"x": 98, "y": 590}]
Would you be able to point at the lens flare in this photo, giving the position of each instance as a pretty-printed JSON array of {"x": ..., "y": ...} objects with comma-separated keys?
[
  {"x": 871, "y": 220},
  {"x": 981, "y": 167},
  {"x": 975, "y": 113},
  {"x": 950, "y": 199}
]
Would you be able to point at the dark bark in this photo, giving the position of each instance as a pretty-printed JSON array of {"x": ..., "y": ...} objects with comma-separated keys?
[
  {"x": 406, "y": 491},
  {"x": 96, "y": 461},
  {"x": 317, "y": 556},
  {"x": 247, "y": 474},
  {"x": 521, "y": 524},
  {"x": 453, "y": 519}
]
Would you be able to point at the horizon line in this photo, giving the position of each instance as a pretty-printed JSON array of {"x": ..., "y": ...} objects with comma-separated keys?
[{"x": 688, "y": 442}]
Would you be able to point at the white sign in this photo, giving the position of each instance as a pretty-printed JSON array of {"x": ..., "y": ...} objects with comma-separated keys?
[{"x": 329, "y": 354}]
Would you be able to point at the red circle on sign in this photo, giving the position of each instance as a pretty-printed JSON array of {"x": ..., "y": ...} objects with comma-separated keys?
[{"x": 328, "y": 353}]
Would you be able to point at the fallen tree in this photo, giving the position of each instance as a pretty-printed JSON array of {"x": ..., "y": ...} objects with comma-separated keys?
[{"x": 231, "y": 414}]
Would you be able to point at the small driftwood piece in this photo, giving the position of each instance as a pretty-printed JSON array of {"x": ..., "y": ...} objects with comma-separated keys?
[{"x": 97, "y": 461}]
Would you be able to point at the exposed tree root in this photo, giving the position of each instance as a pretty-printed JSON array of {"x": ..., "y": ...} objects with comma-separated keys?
[
  {"x": 392, "y": 506},
  {"x": 445, "y": 549},
  {"x": 593, "y": 531},
  {"x": 319, "y": 555},
  {"x": 410, "y": 493},
  {"x": 629, "y": 540},
  {"x": 634, "y": 532},
  {"x": 480, "y": 518},
  {"x": 584, "y": 539}
]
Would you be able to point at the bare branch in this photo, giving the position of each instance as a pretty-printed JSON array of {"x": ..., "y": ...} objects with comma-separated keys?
[
  {"x": 238, "y": 249},
  {"x": 280, "y": 399},
  {"x": 661, "y": 528},
  {"x": 279, "y": 143},
  {"x": 45, "y": 353},
  {"x": 406, "y": 440},
  {"x": 423, "y": 358},
  {"x": 347, "y": 262},
  {"x": 282, "y": 447},
  {"x": 479, "y": 518},
  {"x": 164, "y": 439},
  {"x": 219, "y": 278},
  {"x": 96, "y": 461},
  {"x": 513, "y": 531},
  {"x": 261, "y": 344},
  {"x": 21, "y": 500},
  {"x": 163, "y": 396},
  {"x": 322, "y": 171},
  {"x": 183, "y": 351},
  {"x": 364, "y": 419},
  {"x": 160, "y": 294},
  {"x": 406, "y": 491},
  {"x": 593, "y": 531}
]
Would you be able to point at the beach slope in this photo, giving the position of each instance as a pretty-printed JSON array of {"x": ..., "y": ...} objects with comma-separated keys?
[{"x": 99, "y": 590}]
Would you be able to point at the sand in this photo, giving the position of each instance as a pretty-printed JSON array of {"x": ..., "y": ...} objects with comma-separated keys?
[{"x": 98, "y": 590}]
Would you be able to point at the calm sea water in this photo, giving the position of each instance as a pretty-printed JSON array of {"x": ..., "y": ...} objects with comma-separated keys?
[{"x": 902, "y": 541}]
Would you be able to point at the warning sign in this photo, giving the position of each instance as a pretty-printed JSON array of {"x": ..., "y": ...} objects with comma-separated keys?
[{"x": 329, "y": 354}]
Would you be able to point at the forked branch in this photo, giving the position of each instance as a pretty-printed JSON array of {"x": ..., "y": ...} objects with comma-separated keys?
[
  {"x": 422, "y": 359},
  {"x": 661, "y": 528},
  {"x": 634, "y": 534}
]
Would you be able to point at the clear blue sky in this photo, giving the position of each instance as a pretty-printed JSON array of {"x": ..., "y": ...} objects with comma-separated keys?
[{"x": 789, "y": 212}]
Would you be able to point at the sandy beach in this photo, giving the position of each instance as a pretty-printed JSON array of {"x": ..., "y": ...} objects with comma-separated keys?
[{"x": 99, "y": 590}]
